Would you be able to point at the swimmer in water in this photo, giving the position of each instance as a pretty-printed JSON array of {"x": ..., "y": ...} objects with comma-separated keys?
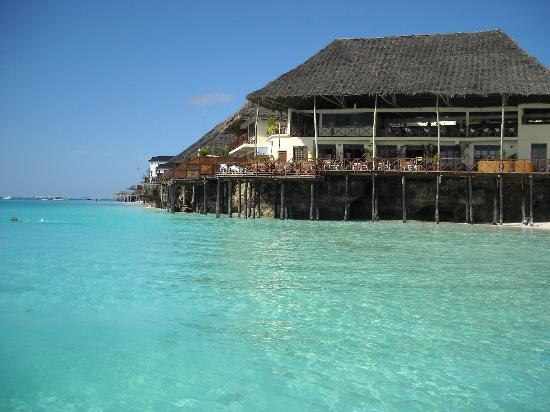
[{"x": 14, "y": 219}]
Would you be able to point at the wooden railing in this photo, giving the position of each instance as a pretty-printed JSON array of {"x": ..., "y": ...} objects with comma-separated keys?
[
  {"x": 201, "y": 167},
  {"x": 243, "y": 139}
]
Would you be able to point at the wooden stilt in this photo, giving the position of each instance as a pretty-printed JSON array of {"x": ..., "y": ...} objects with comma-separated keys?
[
  {"x": 245, "y": 199},
  {"x": 218, "y": 195},
  {"x": 373, "y": 196},
  {"x": 311, "y": 200},
  {"x": 495, "y": 204},
  {"x": 471, "y": 200},
  {"x": 467, "y": 200},
  {"x": 346, "y": 200},
  {"x": 523, "y": 211},
  {"x": 204, "y": 202},
  {"x": 239, "y": 207},
  {"x": 253, "y": 199},
  {"x": 183, "y": 198},
  {"x": 230, "y": 198},
  {"x": 275, "y": 200},
  {"x": 317, "y": 201},
  {"x": 259, "y": 199},
  {"x": 404, "y": 197},
  {"x": 437, "y": 183},
  {"x": 500, "y": 203},
  {"x": 531, "y": 216},
  {"x": 282, "y": 208}
]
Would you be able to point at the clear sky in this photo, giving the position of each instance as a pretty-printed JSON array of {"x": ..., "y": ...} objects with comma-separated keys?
[{"x": 90, "y": 90}]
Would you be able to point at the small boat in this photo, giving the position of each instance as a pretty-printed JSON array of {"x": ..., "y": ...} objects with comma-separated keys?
[{"x": 6, "y": 197}]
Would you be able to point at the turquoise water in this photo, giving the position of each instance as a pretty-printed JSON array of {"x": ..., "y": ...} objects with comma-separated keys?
[{"x": 120, "y": 308}]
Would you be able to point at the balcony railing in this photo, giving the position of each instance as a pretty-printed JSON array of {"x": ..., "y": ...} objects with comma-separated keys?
[
  {"x": 243, "y": 139},
  {"x": 406, "y": 131}
]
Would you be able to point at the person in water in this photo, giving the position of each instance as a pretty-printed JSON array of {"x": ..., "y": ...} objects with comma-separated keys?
[{"x": 14, "y": 219}]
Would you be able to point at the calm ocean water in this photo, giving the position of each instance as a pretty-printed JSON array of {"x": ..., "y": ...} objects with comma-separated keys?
[{"x": 120, "y": 308}]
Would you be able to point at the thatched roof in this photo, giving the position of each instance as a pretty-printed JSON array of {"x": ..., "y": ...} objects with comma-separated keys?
[
  {"x": 216, "y": 137},
  {"x": 224, "y": 133},
  {"x": 247, "y": 113},
  {"x": 486, "y": 63}
]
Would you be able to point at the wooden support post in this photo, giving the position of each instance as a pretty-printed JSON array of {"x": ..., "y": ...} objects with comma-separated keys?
[
  {"x": 495, "y": 204},
  {"x": 230, "y": 198},
  {"x": 282, "y": 208},
  {"x": 183, "y": 198},
  {"x": 253, "y": 199},
  {"x": 501, "y": 195},
  {"x": 275, "y": 200},
  {"x": 373, "y": 196},
  {"x": 317, "y": 201},
  {"x": 437, "y": 183},
  {"x": 259, "y": 199},
  {"x": 523, "y": 211},
  {"x": 246, "y": 199},
  {"x": 346, "y": 205},
  {"x": 471, "y": 200},
  {"x": 466, "y": 200},
  {"x": 311, "y": 200},
  {"x": 218, "y": 195},
  {"x": 195, "y": 199},
  {"x": 204, "y": 202},
  {"x": 531, "y": 217},
  {"x": 239, "y": 207},
  {"x": 404, "y": 197}
]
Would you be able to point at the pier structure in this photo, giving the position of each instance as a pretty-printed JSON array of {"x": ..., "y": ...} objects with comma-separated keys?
[{"x": 363, "y": 129}]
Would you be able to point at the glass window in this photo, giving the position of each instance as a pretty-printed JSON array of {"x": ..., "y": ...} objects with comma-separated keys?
[
  {"x": 386, "y": 151},
  {"x": 353, "y": 151},
  {"x": 327, "y": 151},
  {"x": 536, "y": 116},
  {"x": 347, "y": 119},
  {"x": 299, "y": 153},
  {"x": 487, "y": 152}
]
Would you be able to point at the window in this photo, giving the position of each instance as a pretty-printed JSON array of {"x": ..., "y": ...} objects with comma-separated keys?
[
  {"x": 488, "y": 124},
  {"x": 536, "y": 116},
  {"x": 386, "y": 151},
  {"x": 488, "y": 152},
  {"x": 353, "y": 151},
  {"x": 299, "y": 153},
  {"x": 327, "y": 151},
  {"x": 347, "y": 119}
]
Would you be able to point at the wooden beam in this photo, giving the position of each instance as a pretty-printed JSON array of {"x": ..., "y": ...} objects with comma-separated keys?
[
  {"x": 311, "y": 200},
  {"x": 501, "y": 203},
  {"x": 183, "y": 197},
  {"x": 373, "y": 198},
  {"x": 282, "y": 208},
  {"x": 316, "y": 201},
  {"x": 230, "y": 198},
  {"x": 204, "y": 201},
  {"x": 495, "y": 203},
  {"x": 315, "y": 125},
  {"x": 471, "y": 200},
  {"x": 531, "y": 216},
  {"x": 275, "y": 200},
  {"x": 218, "y": 195},
  {"x": 259, "y": 199},
  {"x": 239, "y": 206},
  {"x": 437, "y": 184},
  {"x": 523, "y": 211},
  {"x": 466, "y": 200},
  {"x": 346, "y": 199},
  {"x": 438, "y": 134},
  {"x": 404, "y": 197},
  {"x": 246, "y": 199}
]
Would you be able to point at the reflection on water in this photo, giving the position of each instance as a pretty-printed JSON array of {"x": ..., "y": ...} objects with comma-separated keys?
[{"x": 128, "y": 309}]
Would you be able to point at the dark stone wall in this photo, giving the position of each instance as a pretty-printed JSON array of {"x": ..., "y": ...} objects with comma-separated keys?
[{"x": 420, "y": 198}]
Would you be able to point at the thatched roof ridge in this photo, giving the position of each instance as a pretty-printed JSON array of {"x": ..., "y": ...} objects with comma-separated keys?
[
  {"x": 214, "y": 137},
  {"x": 247, "y": 113},
  {"x": 456, "y": 64},
  {"x": 223, "y": 133}
]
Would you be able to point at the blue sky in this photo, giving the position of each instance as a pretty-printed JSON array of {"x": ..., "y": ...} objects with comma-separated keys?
[{"x": 90, "y": 90}]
